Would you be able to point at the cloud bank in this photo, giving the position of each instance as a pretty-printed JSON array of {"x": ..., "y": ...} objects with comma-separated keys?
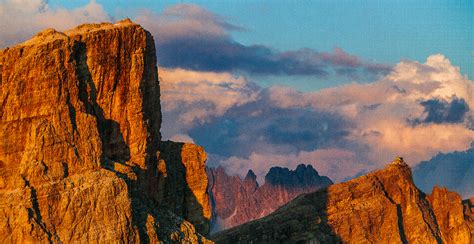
[{"x": 416, "y": 111}]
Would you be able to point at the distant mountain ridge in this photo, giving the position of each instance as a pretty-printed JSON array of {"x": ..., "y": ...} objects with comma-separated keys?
[
  {"x": 303, "y": 176},
  {"x": 235, "y": 201}
]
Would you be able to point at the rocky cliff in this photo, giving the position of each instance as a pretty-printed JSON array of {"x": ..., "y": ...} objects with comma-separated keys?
[
  {"x": 80, "y": 153},
  {"x": 469, "y": 215},
  {"x": 236, "y": 201},
  {"x": 381, "y": 207}
]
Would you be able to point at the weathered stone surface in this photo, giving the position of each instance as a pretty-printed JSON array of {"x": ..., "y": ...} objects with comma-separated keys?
[
  {"x": 80, "y": 151},
  {"x": 183, "y": 187},
  {"x": 237, "y": 201},
  {"x": 381, "y": 207},
  {"x": 448, "y": 210},
  {"x": 468, "y": 205}
]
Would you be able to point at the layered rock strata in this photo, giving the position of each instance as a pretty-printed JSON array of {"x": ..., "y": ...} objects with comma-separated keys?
[
  {"x": 381, "y": 207},
  {"x": 236, "y": 201},
  {"x": 80, "y": 152}
]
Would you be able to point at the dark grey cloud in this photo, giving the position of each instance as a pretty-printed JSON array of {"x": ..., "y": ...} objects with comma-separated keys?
[
  {"x": 440, "y": 111},
  {"x": 224, "y": 54},
  {"x": 261, "y": 126}
]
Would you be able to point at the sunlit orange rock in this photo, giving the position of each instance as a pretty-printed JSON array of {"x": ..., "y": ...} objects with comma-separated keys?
[
  {"x": 80, "y": 152},
  {"x": 469, "y": 214}
]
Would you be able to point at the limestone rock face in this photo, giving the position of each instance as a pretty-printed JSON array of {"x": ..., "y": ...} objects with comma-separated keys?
[
  {"x": 381, "y": 207},
  {"x": 449, "y": 214},
  {"x": 469, "y": 215},
  {"x": 236, "y": 201},
  {"x": 80, "y": 152}
]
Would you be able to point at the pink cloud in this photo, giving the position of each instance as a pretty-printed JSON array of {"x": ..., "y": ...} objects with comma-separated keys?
[
  {"x": 334, "y": 163},
  {"x": 209, "y": 93},
  {"x": 185, "y": 20}
]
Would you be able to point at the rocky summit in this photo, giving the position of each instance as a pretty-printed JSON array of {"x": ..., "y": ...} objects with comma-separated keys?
[
  {"x": 236, "y": 201},
  {"x": 381, "y": 207},
  {"x": 81, "y": 156}
]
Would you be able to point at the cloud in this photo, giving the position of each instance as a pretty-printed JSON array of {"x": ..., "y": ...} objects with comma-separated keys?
[
  {"x": 191, "y": 98},
  {"x": 21, "y": 19},
  {"x": 340, "y": 131},
  {"x": 182, "y": 138},
  {"x": 190, "y": 37},
  {"x": 331, "y": 162},
  {"x": 261, "y": 126},
  {"x": 186, "y": 21},
  {"x": 440, "y": 111}
]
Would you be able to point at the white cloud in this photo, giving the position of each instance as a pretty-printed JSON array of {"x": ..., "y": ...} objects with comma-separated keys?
[
  {"x": 185, "y": 20},
  {"x": 182, "y": 138},
  {"x": 21, "y": 19},
  {"x": 203, "y": 95},
  {"x": 333, "y": 162}
]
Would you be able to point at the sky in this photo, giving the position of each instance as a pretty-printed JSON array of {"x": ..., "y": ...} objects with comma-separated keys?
[{"x": 343, "y": 86}]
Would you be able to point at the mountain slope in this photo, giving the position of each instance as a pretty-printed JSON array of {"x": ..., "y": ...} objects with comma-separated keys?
[
  {"x": 381, "y": 207},
  {"x": 80, "y": 153}
]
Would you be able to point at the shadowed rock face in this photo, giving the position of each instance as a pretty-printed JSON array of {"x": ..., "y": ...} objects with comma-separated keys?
[
  {"x": 236, "y": 201},
  {"x": 381, "y": 207},
  {"x": 303, "y": 176},
  {"x": 80, "y": 152}
]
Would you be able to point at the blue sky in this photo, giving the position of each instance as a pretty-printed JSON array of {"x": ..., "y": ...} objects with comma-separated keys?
[{"x": 377, "y": 31}]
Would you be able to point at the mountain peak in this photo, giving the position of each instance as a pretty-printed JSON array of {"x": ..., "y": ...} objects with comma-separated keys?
[
  {"x": 50, "y": 34},
  {"x": 250, "y": 176},
  {"x": 399, "y": 161},
  {"x": 125, "y": 21},
  {"x": 302, "y": 176}
]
